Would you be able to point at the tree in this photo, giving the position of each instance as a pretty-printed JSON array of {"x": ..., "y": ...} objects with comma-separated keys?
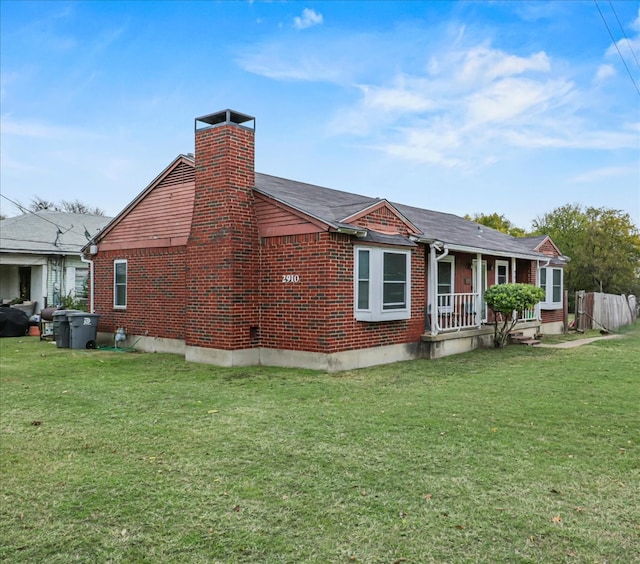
[
  {"x": 69, "y": 206},
  {"x": 603, "y": 245},
  {"x": 76, "y": 206},
  {"x": 504, "y": 300},
  {"x": 39, "y": 204},
  {"x": 497, "y": 222}
]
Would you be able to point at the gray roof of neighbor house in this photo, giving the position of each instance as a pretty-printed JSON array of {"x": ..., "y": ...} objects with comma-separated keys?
[
  {"x": 49, "y": 232},
  {"x": 335, "y": 206}
]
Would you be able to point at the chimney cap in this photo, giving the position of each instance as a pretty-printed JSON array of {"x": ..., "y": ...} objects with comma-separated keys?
[{"x": 225, "y": 117}]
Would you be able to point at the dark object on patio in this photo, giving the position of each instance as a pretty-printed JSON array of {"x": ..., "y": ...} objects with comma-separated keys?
[{"x": 13, "y": 322}]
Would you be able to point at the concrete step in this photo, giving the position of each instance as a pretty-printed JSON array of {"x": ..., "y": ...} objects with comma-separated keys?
[{"x": 520, "y": 339}]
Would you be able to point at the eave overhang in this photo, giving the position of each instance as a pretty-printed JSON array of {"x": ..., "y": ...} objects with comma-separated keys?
[{"x": 482, "y": 250}]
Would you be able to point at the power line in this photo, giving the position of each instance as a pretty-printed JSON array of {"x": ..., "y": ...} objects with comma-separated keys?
[
  {"x": 27, "y": 210},
  {"x": 625, "y": 35},
  {"x": 617, "y": 48},
  {"x": 61, "y": 228}
]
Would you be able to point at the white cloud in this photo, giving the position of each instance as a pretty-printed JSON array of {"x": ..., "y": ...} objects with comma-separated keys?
[
  {"x": 514, "y": 99},
  {"x": 573, "y": 138},
  {"x": 309, "y": 18},
  {"x": 483, "y": 63},
  {"x": 404, "y": 96},
  {"x": 462, "y": 104},
  {"x": 627, "y": 47},
  {"x": 604, "y": 72},
  {"x": 280, "y": 65},
  {"x": 41, "y": 130},
  {"x": 599, "y": 174},
  {"x": 636, "y": 24},
  {"x": 472, "y": 107}
]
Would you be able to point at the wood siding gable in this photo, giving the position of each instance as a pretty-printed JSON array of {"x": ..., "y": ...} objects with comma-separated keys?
[
  {"x": 160, "y": 216},
  {"x": 383, "y": 218},
  {"x": 276, "y": 219}
]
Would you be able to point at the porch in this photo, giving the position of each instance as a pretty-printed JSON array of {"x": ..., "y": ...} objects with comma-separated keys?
[
  {"x": 447, "y": 343},
  {"x": 466, "y": 311}
]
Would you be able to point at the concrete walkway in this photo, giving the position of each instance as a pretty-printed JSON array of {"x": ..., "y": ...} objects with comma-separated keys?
[{"x": 577, "y": 342}]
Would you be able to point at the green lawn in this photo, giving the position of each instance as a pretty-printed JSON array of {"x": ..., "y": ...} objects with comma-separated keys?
[{"x": 521, "y": 455}]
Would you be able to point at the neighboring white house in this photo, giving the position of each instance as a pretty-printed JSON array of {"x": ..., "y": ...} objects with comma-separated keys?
[{"x": 40, "y": 258}]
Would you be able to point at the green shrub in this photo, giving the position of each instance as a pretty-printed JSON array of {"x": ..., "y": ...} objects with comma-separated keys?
[{"x": 504, "y": 300}]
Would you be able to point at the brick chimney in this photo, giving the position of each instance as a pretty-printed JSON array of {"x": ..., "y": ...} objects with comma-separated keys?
[{"x": 223, "y": 247}]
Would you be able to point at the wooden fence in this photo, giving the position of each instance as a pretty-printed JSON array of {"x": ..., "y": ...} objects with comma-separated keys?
[{"x": 595, "y": 310}]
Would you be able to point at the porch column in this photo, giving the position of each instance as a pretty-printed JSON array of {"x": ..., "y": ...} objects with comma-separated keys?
[
  {"x": 44, "y": 288},
  {"x": 513, "y": 270},
  {"x": 478, "y": 287},
  {"x": 432, "y": 290}
]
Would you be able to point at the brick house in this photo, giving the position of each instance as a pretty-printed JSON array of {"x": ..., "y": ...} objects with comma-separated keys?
[{"x": 232, "y": 267}]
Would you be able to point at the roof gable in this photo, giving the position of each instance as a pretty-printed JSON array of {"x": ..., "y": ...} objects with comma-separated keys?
[
  {"x": 383, "y": 218},
  {"x": 160, "y": 215},
  {"x": 543, "y": 244},
  {"x": 275, "y": 218}
]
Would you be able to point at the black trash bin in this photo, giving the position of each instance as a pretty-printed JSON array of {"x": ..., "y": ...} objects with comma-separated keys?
[{"x": 83, "y": 330}]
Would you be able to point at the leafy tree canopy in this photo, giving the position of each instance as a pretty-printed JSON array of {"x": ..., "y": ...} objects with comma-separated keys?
[
  {"x": 71, "y": 206},
  {"x": 603, "y": 244},
  {"x": 497, "y": 222}
]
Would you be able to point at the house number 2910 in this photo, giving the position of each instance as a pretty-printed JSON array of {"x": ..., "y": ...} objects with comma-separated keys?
[{"x": 290, "y": 278}]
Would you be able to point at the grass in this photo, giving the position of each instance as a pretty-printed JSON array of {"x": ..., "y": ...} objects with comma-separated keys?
[
  {"x": 571, "y": 336},
  {"x": 521, "y": 455}
]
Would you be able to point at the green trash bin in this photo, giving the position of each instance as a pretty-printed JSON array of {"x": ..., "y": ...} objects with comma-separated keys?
[
  {"x": 83, "y": 330},
  {"x": 61, "y": 331}
]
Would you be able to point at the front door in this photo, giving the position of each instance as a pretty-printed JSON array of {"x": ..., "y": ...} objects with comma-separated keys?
[{"x": 483, "y": 287}]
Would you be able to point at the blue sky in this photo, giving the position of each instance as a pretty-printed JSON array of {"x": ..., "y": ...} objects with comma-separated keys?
[{"x": 463, "y": 107}]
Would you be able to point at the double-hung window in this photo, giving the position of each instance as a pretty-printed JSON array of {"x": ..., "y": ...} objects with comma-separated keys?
[
  {"x": 502, "y": 272},
  {"x": 551, "y": 283},
  {"x": 120, "y": 284},
  {"x": 382, "y": 284}
]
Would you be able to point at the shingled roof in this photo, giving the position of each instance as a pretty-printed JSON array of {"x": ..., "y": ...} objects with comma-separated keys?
[
  {"x": 335, "y": 206},
  {"x": 48, "y": 232}
]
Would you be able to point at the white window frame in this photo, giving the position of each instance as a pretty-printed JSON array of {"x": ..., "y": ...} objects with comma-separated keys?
[
  {"x": 548, "y": 286},
  {"x": 376, "y": 310},
  {"x": 116, "y": 262},
  {"x": 506, "y": 265}
]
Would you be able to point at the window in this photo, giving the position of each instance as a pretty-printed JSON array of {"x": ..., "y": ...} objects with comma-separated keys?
[
  {"x": 81, "y": 282},
  {"x": 446, "y": 270},
  {"x": 382, "y": 284},
  {"x": 445, "y": 276},
  {"x": 551, "y": 283},
  {"x": 502, "y": 272},
  {"x": 120, "y": 283}
]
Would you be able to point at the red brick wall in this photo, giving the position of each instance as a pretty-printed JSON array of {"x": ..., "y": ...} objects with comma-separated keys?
[
  {"x": 156, "y": 297},
  {"x": 316, "y": 313},
  {"x": 222, "y": 251},
  {"x": 551, "y": 315}
]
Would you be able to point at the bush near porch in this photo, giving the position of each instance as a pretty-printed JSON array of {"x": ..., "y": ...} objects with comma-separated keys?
[
  {"x": 518, "y": 455},
  {"x": 506, "y": 301}
]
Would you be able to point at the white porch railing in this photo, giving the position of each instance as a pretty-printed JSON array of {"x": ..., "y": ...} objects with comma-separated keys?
[
  {"x": 528, "y": 314},
  {"x": 460, "y": 311},
  {"x": 456, "y": 311}
]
